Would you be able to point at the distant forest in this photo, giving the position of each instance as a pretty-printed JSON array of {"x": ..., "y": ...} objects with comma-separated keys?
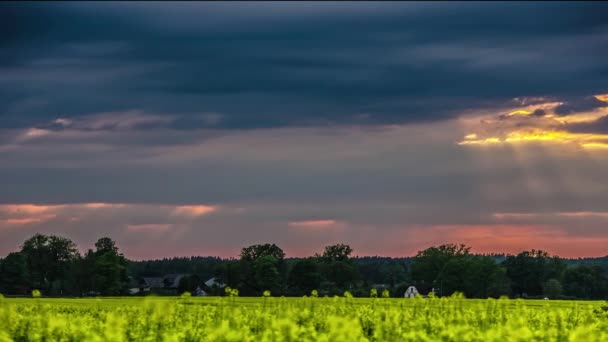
[{"x": 54, "y": 266}]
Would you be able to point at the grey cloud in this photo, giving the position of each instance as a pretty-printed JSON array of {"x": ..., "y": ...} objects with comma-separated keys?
[
  {"x": 284, "y": 112},
  {"x": 598, "y": 126},
  {"x": 580, "y": 105},
  {"x": 296, "y": 64}
]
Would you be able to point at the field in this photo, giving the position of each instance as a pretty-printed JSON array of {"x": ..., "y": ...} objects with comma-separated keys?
[{"x": 299, "y": 319}]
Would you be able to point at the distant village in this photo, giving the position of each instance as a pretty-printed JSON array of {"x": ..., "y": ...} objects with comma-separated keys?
[{"x": 170, "y": 285}]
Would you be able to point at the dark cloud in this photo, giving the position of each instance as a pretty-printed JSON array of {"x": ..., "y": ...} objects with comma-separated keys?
[
  {"x": 539, "y": 112},
  {"x": 580, "y": 105},
  {"x": 282, "y": 112},
  {"x": 286, "y": 64},
  {"x": 597, "y": 126}
]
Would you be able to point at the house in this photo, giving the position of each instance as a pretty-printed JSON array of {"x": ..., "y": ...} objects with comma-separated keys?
[
  {"x": 171, "y": 281},
  {"x": 411, "y": 292},
  {"x": 153, "y": 282},
  {"x": 143, "y": 285},
  {"x": 199, "y": 292},
  {"x": 214, "y": 282}
]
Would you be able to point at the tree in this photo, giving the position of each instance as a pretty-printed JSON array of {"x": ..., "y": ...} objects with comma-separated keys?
[
  {"x": 48, "y": 258},
  {"x": 305, "y": 276},
  {"x": 14, "y": 274},
  {"x": 338, "y": 252},
  {"x": 393, "y": 273},
  {"x": 552, "y": 288},
  {"x": 584, "y": 281},
  {"x": 109, "y": 268},
  {"x": 429, "y": 264},
  {"x": 37, "y": 256},
  {"x": 266, "y": 274},
  {"x": 261, "y": 266},
  {"x": 529, "y": 270},
  {"x": 105, "y": 245},
  {"x": 343, "y": 273},
  {"x": 254, "y": 252},
  {"x": 230, "y": 273},
  {"x": 337, "y": 267},
  {"x": 188, "y": 283}
]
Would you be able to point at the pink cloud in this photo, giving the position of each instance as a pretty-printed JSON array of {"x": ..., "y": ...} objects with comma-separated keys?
[
  {"x": 193, "y": 210},
  {"x": 23, "y": 221},
  {"x": 103, "y": 205},
  {"x": 312, "y": 223},
  {"x": 584, "y": 214},
  {"x": 514, "y": 239},
  {"x": 501, "y": 216},
  {"x": 573, "y": 214},
  {"x": 28, "y": 209},
  {"x": 158, "y": 227}
]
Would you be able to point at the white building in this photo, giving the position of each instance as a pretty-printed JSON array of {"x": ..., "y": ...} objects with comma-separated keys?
[
  {"x": 214, "y": 282},
  {"x": 411, "y": 292}
]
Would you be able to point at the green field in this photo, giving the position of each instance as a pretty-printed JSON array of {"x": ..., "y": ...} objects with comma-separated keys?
[{"x": 299, "y": 319}]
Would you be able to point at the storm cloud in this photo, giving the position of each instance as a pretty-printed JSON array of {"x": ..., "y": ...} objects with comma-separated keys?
[
  {"x": 293, "y": 64},
  {"x": 390, "y": 126}
]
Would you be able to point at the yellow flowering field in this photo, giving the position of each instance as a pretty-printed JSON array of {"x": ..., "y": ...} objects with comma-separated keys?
[{"x": 300, "y": 319}]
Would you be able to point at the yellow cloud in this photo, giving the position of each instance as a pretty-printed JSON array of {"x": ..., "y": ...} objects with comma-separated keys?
[
  {"x": 519, "y": 125},
  {"x": 520, "y": 112},
  {"x": 589, "y": 141},
  {"x": 485, "y": 141},
  {"x": 596, "y": 146},
  {"x": 602, "y": 97}
]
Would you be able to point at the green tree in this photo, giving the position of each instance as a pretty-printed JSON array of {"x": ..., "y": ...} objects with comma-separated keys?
[
  {"x": 230, "y": 273},
  {"x": 338, "y": 252},
  {"x": 14, "y": 274},
  {"x": 109, "y": 268},
  {"x": 105, "y": 245},
  {"x": 552, "y": 288},
  {"x": 337, "y": 267},
  {"x": 266, "y": 274},
  {"x": 393, "y": 273},
  {"x": 529, "y": 270},
  {"x": 429, "y": 265},
  {"x": 48, "y": 258},
  {"x": 254, "y": 252},
  {"x": 483, "y": 278},
  {"x": 585, "y": 282},
  {"x": 304, "y": 275},
  {"x": 188, "y": 283},
  {"x": 262, "y": 266}
]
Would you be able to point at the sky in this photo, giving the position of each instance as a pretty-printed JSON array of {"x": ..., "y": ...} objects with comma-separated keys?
[{"x": 191, "y": 128}]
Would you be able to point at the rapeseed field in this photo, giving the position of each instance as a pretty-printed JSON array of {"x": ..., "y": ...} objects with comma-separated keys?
[{"x": 300, "y": 319}]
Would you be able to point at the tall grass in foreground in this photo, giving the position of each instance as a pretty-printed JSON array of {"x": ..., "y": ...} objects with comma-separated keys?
[{"x": 299, "y": 319}]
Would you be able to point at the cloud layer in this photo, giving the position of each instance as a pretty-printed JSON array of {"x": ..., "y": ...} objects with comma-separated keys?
[
  {"x": 284, "y": 64},
  {"x": 200, "y": 128}
]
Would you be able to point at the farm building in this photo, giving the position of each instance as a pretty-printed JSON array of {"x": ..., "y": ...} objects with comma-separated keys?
[
  {"x": 171, "y": 281},
  {"x": 214, "y": 282},
  {"x": 411, "y": 292}
]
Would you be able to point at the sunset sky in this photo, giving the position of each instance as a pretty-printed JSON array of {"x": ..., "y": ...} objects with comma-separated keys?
[{"x": 183, "y": 129}]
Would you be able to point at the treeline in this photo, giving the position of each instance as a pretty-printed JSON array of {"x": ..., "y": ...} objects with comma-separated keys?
[{"x": 53, "y": 265}]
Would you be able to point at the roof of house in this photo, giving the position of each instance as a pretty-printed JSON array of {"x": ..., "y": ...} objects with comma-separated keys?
[
  {"x": 214, "y": 281},
  {"x": 153, "y": 282},
  {"x": 172, "y": 280}
]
